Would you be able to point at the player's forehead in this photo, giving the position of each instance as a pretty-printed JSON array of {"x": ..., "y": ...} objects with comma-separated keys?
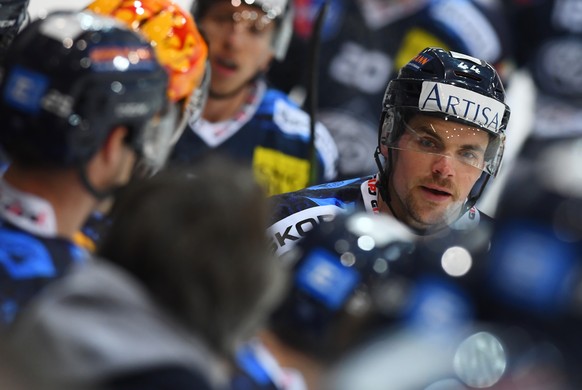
[
  {"x": 447, "y": 129},
  {"x": 227, "y": 6}
]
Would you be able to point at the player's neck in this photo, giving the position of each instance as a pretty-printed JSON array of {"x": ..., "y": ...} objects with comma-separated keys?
[
  {"x": 62, "y": 189},
  {"x": 221, "y": 108}
]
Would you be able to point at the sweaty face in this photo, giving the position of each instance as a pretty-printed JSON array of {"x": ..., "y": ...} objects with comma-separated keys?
[
  {"x": 240, "y": 45},
  {"x": 436, "y": 162}
]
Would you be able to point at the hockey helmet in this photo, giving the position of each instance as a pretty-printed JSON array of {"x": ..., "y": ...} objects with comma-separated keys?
[
  {"x": 179, "y": 47},
  {"x": 455, "y": 87},
  {"x": 68, "y": 80}
]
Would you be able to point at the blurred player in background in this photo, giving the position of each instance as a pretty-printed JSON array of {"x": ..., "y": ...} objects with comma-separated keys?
[
  {"x": 244, "y": 117},
  {"x": 83, "y": 101},
  {"x": 342, "y": 293},
  {"x": 167, "y": 303},
  {"x": 183, "y": 53}
]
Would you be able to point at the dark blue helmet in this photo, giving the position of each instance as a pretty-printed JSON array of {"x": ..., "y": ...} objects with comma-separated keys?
[
  {"x": 452, "y": 86},
  {"x": 68, "y": 80},
  {"x": 13, "y": 17},
  {"x": 340, "y": 288}
]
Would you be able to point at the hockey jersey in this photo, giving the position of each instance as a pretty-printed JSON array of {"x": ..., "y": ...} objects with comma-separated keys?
[
  {"x": 31, "y": 254},
  {"x": 294, "y": 214},
  {"x": 271, "y": 134}
]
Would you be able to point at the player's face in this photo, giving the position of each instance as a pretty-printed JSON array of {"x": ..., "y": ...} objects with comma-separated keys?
[
  {"x": 436, "y": 163},
  {"x": 240, "y": 45}
]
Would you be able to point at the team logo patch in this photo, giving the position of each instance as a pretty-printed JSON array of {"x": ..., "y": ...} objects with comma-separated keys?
[{"x": 25, "y": 89}]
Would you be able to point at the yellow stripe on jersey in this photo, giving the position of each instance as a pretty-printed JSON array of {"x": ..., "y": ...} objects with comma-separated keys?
[{"x": 279, "y": 172}]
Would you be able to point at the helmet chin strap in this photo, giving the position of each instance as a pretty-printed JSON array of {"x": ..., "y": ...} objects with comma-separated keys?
[{"x": 97, "y": 194}]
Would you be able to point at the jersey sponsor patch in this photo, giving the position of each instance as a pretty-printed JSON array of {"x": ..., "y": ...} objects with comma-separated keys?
[
  {"x": 324, "y": 277},
  {"x": 291, "y": 119},
  {"x": 286, "y": 232},
  {"x": 468, "y": 105},
  {"x": 279, "y": 172}
]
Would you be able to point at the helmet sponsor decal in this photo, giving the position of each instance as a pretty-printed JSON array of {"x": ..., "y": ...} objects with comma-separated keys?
[
  {"x": 326, "y": 278},
  {"x": 467, "y": 105},
  {"x": 118, "y": 58},
  {"x": 25, "y": 89}
]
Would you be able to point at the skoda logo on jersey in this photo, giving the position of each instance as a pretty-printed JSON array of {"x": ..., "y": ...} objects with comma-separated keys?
[{"x": 468, "y": 105}]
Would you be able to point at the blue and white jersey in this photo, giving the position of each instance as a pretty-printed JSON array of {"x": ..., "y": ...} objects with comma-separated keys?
[
  {"x": 270, "y": 133},
  {"x": 294, "y": 214},
  {"x": 31, "y": 253}
]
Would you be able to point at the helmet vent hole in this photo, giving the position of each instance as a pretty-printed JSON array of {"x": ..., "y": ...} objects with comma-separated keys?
[{"x": 468, "y": 75}]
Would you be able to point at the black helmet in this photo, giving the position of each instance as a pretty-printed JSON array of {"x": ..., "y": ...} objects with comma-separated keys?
[
  {"x": 452, "y": 86},
  {"x": 339, "y": 291},
  {"x": 13, "y": 17},
  {"x": 280, "y": 11},
  {"x": 68, "y": 80}
]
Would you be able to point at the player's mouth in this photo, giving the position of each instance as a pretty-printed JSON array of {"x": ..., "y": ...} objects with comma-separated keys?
[
  {"x": 436, "y": 193},
  {"x": 225, "y": 65}
]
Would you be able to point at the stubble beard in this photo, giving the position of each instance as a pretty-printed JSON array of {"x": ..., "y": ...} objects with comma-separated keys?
[{"x": 427, "y": 216}]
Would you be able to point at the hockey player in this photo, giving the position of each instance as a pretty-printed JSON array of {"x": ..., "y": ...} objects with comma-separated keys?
[
  {"x": 521, "y": 327},
  {"x": 246, "y": 119},
  {"x": 342, "y": 293},
  {"x": 182, "y": 51},
  {"x": 441, "y": 138},
  {"x": 169, "y": 301},
  {"x": 363, "y": 44},
  {"x": 84, "y": 102}
]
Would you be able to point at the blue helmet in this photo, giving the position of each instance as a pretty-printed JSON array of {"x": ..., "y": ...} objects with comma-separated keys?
[
  {"x": 68, "y": 80},
  {"x": 452, "y": 86},
  {"x": 340, "y": 282}
]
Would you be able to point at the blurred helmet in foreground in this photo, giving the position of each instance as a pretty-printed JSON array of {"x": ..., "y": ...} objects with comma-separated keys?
[{"x": 342, "y": 285}]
